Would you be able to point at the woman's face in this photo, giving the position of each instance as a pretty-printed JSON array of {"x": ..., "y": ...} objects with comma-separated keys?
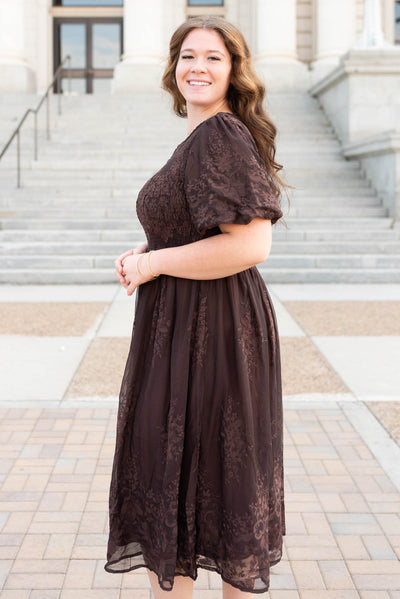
[{"x": 203, "y": 70}]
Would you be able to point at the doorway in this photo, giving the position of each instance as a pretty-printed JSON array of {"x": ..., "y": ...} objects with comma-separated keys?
[{"x": 95, "y": 47}]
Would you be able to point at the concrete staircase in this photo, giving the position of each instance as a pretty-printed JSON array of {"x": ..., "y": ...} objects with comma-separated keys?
[{"x": 76, "y": 211}]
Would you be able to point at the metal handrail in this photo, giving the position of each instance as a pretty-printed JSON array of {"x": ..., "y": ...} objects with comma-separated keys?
[{"x": 56, "y": 78}]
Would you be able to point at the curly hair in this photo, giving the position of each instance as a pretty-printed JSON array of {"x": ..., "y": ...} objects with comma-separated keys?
[{"x": 246, "y": 92}]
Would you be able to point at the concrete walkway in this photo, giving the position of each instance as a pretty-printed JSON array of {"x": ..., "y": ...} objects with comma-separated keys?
[{"x": 62, "y": 353}]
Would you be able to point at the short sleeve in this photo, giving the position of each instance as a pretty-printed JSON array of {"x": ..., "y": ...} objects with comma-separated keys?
[{"x": 226, "y": 181}]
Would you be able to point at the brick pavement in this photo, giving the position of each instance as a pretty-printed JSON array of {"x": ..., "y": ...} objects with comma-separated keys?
[{"x": 342, "y": 503}]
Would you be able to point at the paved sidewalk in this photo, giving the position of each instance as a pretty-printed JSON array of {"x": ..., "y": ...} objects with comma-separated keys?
[{"x": 62, "y": 353}]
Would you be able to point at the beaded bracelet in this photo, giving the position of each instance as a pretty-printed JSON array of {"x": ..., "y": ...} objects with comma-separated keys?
[{"x": 148, "y": 264}]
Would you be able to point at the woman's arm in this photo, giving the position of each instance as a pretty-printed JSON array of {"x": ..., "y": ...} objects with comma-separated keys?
[{"x": 238, "y": 247}]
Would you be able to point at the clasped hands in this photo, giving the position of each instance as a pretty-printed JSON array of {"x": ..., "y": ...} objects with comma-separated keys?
[{"x": 127, "y": 272}]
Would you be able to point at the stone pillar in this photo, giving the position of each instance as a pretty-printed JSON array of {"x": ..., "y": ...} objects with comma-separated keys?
[
  {"x": 142, "y": 62},
  {"x": 372, "y": 34},
  {"x": 276, "y": 46},
  {"x": 335, "y": 31},
  {"x": 276, "y": 31},
  {"x": 15, "y": 74}
]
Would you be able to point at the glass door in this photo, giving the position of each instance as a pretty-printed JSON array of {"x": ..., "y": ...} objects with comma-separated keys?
[{"x": 95, "y": 47}]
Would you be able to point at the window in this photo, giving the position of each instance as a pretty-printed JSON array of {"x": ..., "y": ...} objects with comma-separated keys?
[
  {"x": 205, "y": 2},
  {"x": 88, "y": 2},
  {"x": 397, "y": 22},
  {"x": 95, "y": 47}
]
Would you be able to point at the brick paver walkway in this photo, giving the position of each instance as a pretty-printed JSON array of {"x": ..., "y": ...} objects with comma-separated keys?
[{"x": 342, "y": 503}]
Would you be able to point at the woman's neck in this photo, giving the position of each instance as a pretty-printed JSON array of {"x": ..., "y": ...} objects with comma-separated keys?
[{"x": 198, "y": 114}]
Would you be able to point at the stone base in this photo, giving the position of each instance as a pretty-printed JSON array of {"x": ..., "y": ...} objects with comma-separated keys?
[
  {"x": 321, "y": 69},
  {"x": 16, "y": 78},
  {"x": 380, "y": 160},
  {"x": 361, "y": 96},
  {"x": 136, "y": 77},
  {"x": 283, "y": 77}
]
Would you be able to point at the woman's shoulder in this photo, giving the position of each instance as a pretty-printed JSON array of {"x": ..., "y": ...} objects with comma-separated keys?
[{"x": 225, "y": 128}]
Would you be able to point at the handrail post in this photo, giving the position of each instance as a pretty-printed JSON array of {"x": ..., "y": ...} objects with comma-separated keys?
[
  {"x": 48, "y": 115},
  {"x": 18, "y": 161},
  {"x": 58, "y": 80},
  {"x": 35, "y": 155}
]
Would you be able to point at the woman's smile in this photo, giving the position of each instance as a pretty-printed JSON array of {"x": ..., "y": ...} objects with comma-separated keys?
[{"x": 198, "y": 83}]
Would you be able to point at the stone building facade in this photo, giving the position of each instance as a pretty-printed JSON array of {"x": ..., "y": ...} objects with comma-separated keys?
[{"x": 120, "y": 45}]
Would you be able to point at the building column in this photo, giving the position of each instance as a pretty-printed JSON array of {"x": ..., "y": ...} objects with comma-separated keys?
[
  {"x": 276, "y": 45},
  {"x": 15, "y": 73},
  {"x": 372, "y": 34},
  {"x": 334, "y": 31},
  {"x": 141, "y": 67}
]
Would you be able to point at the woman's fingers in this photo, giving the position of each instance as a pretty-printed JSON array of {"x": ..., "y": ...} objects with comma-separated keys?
[
  {"x": 125, "y": 267},
  {"x": 131, "y": 288},
  {"x": 118, "y": 262},
  {"x": 120, "y": 278}
]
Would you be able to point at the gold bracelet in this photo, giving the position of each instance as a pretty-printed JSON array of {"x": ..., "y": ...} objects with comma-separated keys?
[
  {"x": 139, "y": 272},
  {"x": 148, "y": 264}
]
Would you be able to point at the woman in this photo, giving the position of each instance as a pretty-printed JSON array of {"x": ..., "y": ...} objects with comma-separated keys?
[{"x": 197, "y": 478}]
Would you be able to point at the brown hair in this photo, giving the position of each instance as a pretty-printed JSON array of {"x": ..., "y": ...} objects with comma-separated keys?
[{"x": 246, "y": 91}]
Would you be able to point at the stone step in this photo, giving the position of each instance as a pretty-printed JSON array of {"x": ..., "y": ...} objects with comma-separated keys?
[
  {"x": 105, "y": 203},
  {"x": 99, "y": 149},
  {"x": 108, "y": 223},
  {"x": 355, "y": 234},
  {"x": 331, "y": 193},
  {"x": 93, "y": 194},
  {"x": 120, "y": 164},
  {"x": 306, "y": 138},
  {"x": 331, "y": 182},
  {"x": 331, "y": 275},
  {"x": 136, "y": 235},
  {"x": 72, "y": 236},
  {"x": 334, "y": 261},
  {"x": 130, "y": 212},
  {"x": 310, "y": 173},
  {"x": 284, "y": 275},
  {"x": 118, "y": 245},
  {"x": 306, "y": 133},
  {"x": 136, "y": 167},
  {"x": 338, "y": 223},
  {"x": 336, "y": 247},
  {"x": 75, "y": 184},
  {"x": 275, "y": 261}
]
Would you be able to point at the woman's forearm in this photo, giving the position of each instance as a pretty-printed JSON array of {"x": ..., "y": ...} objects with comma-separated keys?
[{"x": 236, "y": 249}]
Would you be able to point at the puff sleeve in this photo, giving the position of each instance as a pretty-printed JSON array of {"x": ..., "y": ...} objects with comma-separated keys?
[{"x": 226, "y": 181}]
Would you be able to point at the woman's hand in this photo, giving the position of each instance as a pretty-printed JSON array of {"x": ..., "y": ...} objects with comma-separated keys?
[
  {"x": 118, "y": 262},
  {"x": 126, "y": 270}
]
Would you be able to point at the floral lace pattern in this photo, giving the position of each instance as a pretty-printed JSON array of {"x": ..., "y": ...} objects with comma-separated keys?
[{"x": 197, "y": 477}]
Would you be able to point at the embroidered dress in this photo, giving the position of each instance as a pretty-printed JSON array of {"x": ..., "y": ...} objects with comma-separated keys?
[{"x": 197, "y": 478}]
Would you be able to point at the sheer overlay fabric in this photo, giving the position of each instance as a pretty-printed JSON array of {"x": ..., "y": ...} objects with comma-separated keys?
[{"x": 197, "y": 478}]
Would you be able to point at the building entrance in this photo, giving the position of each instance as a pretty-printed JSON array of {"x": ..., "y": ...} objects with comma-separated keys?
[{"x": 95, "y": 47}]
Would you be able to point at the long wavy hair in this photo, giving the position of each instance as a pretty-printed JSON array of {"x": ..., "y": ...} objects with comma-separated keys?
[{"x": 246, "y": 92}]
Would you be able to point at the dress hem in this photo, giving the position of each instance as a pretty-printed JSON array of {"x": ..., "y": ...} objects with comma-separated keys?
[{"x": 209, "y": 568}]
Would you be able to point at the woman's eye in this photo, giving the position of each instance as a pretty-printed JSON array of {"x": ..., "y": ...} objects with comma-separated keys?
[
  {"x": 186, "y": 56},
  {"x": 215, "y": 58}
]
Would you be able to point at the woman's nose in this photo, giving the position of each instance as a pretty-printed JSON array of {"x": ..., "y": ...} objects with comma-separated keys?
[{"x": 198, "y": 66}]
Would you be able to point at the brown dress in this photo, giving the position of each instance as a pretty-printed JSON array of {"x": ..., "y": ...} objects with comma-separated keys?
[{"x": 197, "y": 479}]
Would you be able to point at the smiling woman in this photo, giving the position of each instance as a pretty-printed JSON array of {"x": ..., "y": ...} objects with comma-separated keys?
[{"x": 197, "y": 477}]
